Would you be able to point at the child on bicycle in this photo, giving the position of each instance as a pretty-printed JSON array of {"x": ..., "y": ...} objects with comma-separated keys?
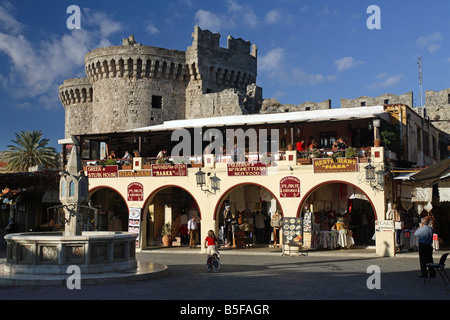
[{"x": 210, "y": 244}]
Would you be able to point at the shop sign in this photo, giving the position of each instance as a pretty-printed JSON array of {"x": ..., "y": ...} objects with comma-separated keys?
[
  {"x": 135, "y": 192},
  {"x": 329, "y": 165},
  {"x": 247, "y": 169},
  {"x": 290, "y": 187},
  {"x": 384, "y": 225},
  {"x": 167, "y": 169},
  {"x": 134, "y": 218},
  {"x": 102, "y": 171},
  {"x": 132, "y": 174}
]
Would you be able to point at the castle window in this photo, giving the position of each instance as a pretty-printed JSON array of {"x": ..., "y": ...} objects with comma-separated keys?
[
  {"x": 448, "y": 99},
  {"x": 386, "y": 101},
  {"x": 156, "y": 102},
  {"x": 363, "y": 104}
]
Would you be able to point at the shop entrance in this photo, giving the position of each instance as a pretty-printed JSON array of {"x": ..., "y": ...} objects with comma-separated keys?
[
  {"x": 339, "y": 215},
  {"x": 248, "y": 215},
  {"x": 112, "y": 210},
  {"x": 172, "y": 205}
]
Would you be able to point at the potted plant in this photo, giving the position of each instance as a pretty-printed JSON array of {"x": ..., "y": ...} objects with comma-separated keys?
[
  {"x": 351, "y": 153},
  {"x": 136, "y": 153},
  {"x": 315, "y": 153},
  {"x": 377, "y": 143},
  {"x": 336, "y": 155},
  {"x": 166, "y": 233}
]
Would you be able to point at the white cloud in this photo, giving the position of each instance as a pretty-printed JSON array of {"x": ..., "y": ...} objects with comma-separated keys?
[
  {"x": 430, "y": 42},
  {"x": 151, "y": 29},
  {"x": 384, "y": 80},
  {"x": 208, "y": 20},
  {"x": 273, "y": 16},
  {"x": 7, "y": 21},
  {"x": 236, "y": 14},
  {"x": 272, "y": 60},
  {"x": 37, "y": 68},
  {"x": 347, "y": 63},
  {"x": 274, "y": 64}
]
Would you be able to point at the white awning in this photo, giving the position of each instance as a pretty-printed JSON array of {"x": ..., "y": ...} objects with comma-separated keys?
[{"x": 336, "y": 114}]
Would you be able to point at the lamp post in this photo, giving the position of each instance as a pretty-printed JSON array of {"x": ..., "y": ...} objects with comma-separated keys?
[{"x": 200, "y": 177}]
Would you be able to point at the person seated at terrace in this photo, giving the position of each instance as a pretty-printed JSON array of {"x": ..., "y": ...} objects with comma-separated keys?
[
  {"x": 162, "y": 154},
  {"x": 340, "y": 144},
  {"x": 313, "y": 145},
  {"x": 112, "y": 155}
]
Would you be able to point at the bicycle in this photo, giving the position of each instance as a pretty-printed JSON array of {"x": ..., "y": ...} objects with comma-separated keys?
[{"x": 213, "y": 263}]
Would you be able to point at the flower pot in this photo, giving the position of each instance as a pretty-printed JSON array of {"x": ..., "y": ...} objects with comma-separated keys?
[
  {"x": 377, "y": 143},
  {"x": 167, "y": 241}
]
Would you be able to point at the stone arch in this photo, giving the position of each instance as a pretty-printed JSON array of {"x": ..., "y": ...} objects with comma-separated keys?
[
  {"x": 180, "y": 199},
  {"x": 114, "y": 208},
  {"x": 307, "y": 194}
]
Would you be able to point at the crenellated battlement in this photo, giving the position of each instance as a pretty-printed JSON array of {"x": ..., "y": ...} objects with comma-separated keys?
[
  {"x": 131, "y": 85},
  {"x": 77, "y": 90},
  {"x": 132, "y": 60}
]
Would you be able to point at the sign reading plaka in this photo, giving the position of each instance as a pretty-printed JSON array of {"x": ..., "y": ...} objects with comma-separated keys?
[
  {"x": 384, "y": 225},
  {"x": 135, "y": 192},
  {"x": 290, "y": 187},
  {"x": 247, "y": 169},
  {"x": 102, "y": 171},
  {"x": 167, "y": 169},
  {"x": 340, "y": 165}
]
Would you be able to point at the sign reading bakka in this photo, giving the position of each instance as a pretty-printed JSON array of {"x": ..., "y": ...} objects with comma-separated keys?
[
  {"x": 168, "y": 169},
  {"x": 338, "y": 165},
  {"x": 247, "y": 169}
]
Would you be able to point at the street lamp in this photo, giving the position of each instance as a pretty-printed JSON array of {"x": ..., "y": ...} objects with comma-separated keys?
[
  {"x": 215, "y": 183},
  {"x": 200, "y": 177},
  {"x": 370, "y": 172}
]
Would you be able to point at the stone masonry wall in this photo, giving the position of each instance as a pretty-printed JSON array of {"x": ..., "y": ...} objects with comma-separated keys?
[
  {"x": 437, "y": 105},
  {"x": 387, "y": 98}
]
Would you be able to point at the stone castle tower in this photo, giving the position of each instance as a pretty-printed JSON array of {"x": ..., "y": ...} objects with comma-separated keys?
[{"x": 132, "y": 85}]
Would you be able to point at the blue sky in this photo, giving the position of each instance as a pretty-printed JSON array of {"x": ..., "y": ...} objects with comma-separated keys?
[{"x": 307, "y": 50}]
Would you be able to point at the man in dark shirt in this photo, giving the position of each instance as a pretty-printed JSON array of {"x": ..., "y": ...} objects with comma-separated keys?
[{"x": 425, "y": 234}]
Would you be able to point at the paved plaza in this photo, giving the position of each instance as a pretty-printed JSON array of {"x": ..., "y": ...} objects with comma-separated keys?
[{"x": 259, "y": 274}]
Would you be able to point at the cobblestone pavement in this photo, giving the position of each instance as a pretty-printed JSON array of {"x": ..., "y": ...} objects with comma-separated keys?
[{"x": 260, "y": 275}]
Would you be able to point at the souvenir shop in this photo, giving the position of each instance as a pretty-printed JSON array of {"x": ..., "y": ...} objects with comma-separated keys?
[
  {"x": 412, "y": 202},
  {"x": 337, "y": 216},
  {"x": 249, "y": 215}
]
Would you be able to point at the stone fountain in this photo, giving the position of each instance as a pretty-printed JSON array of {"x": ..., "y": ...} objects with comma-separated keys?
[{"x": 98, "y": 254}]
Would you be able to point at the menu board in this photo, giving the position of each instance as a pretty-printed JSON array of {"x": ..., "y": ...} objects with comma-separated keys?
[
  {"x": 307, "y": 222},
  {"x": 292, "y": 229},
  {"x": 134, "y": 219}
]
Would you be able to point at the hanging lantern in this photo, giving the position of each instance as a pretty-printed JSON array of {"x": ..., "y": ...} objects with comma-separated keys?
[
  {"x": 370, "y": 172},
  {"x": 200, "y": 176},
  {"x": 215, "y": 183}
]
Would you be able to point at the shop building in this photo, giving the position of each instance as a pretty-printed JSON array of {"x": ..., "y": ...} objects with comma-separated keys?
[{"x": 215, "y": 106}]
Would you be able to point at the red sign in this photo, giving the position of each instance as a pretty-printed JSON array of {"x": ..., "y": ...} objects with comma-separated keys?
[
  {"x": 135, "y": 191},
  {"x": 290, "y": 187},
  {"x": 102, "y": 171},
  {"x": 340, "y": 165},
  {"x": 247, "y": 169},
  {"x": 167, "y": 169}
]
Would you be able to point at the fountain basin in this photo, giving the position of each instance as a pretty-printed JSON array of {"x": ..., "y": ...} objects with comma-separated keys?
[{"x": 52, "y": 252}]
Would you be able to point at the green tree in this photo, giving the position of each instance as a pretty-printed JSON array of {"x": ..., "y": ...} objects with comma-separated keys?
[{"x": 30, "y": 149}]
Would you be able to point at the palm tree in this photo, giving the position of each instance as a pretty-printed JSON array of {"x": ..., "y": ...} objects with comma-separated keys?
[{"x": 30, "y": 150}]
